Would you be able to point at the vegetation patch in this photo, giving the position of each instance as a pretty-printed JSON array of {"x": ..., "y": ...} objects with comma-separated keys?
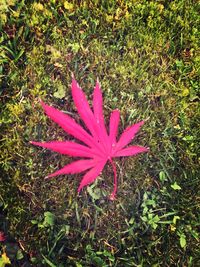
[{"x": 145, "y": 54}]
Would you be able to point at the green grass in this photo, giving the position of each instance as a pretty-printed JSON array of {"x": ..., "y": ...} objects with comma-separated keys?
[{"x": 145, "y": 54}]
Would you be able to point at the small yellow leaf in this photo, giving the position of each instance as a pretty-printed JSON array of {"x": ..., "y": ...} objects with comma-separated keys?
[
  {"x": 177, "y": 126},
  {"x": 68, "y": 6},
  {"x": 109, "y": 18},
  {"x": 127, "y": 15},
  {"x": 38, "y": 6},
  {"x": 3, "y": 18},
  {"x": 6, "y": 260},
  {"x": 185, "y": 92},
  {"x": 16, "y": 14},
  {"x": 172, "y": 227},
  {"x": 58, "y": 65},
  {"x": 160, "y": 7}
]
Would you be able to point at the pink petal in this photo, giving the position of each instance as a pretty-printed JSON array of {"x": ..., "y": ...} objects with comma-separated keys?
[
  {"x": 98, "y": 114},
  {"x": 91, "y": 175},
  {"x": 130, "y": 151},
  {"x": 83, "y": 109},
  {"x": 114, "y": 123},
  {"x": 68, "y": 124},
  {"x": 66, "y": 147},
  {"x": 74, "y": 167},
  {"x": 128, "y": 135}
]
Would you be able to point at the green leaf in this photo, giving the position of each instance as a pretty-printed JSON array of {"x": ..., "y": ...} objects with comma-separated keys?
[
  {"x": 175, "y": 219},
  {"x": 144, "y": 218},
  {"x": 74, "y": 47},
  {"x": 19, "y": 255},
  {"x": 49, "y": 219},
  {"x": 183, "y": 240},
  {"x": 156, "y": 219},
  {"x": 34, "y": 222},
  {"x": 132, "y": 220},
  {"x": 21, "y": 52},
  {"x": 154, "y": 225},
  {"x": 60, "y": 93},
  {"x": 188, "y": 138},
  {"x": 65, "y": 229},
  {"x": 94, "y": 193},
  {"x": 41, "y": 225},
  {"x": 48, "y": 262},
  {"x": 175, "y": 186},
  {"x": 151, "y": 202},
  {"x": 179, "y": 63},
  {"x": 162, "y": 176}
]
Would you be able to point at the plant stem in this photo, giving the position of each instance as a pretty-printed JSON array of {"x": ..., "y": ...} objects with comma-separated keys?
[{"x": 112, "y": 196}]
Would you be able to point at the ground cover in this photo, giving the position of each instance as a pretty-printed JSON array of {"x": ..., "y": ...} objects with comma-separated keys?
[{"x": 145, "y": 54}]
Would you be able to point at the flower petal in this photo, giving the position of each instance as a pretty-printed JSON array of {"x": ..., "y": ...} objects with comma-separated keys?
[
  {"x": 130, "y": 151},
  {"x": 74, "y": 167},
  {"x": 92, "y": 174},
  {"x": 128, "y": 135}
]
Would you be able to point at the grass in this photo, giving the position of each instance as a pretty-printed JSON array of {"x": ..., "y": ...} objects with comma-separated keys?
[{"x": 145, "y": 54}]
